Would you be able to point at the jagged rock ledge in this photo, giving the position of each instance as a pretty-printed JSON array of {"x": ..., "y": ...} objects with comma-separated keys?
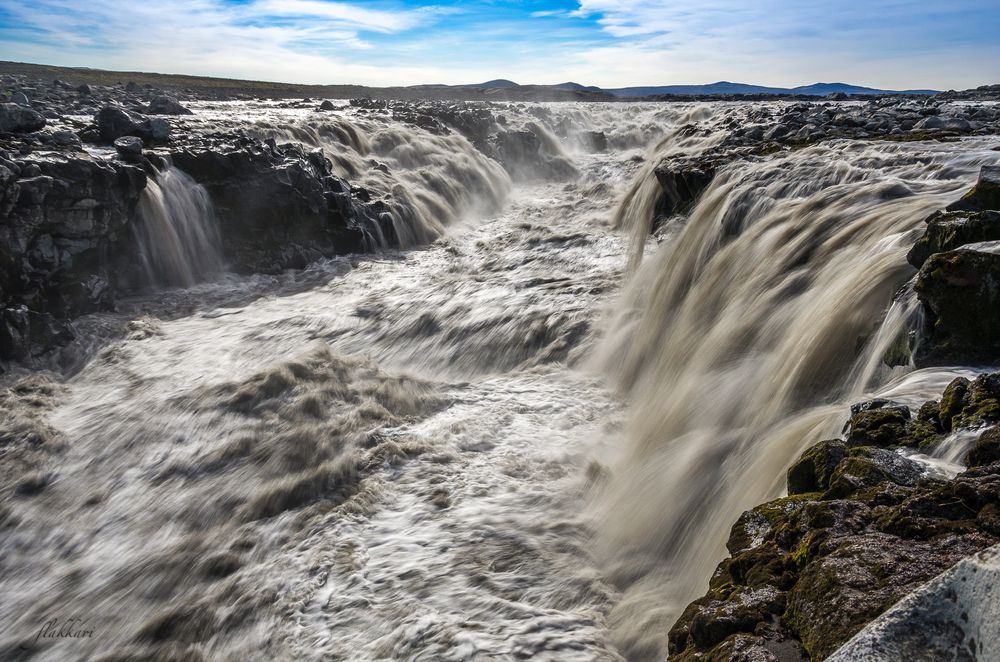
[
  {"x": 864, "y": 525},
  {"x": 68, "y": 204}
]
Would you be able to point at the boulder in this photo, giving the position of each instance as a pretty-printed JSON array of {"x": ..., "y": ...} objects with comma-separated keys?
[
  {"x": 21, "y": 99},
  {"x": 66, "y": 139},
  {"x": 129, "y": 147},
  {"x": 947, "y": 231},
  {"x": 114, "y": 122},
  {"x": 327, "y": 105},
  {"x": 165, "y": 105},
  {"x": 984, "y": 195},
  {"x": 18, "y": 119},
  {"x": 960, "y": 292},
  {"x": 986, "y": 450},
  {"x": 814, "y": 468},
  {"x": 956, "y": 616},
  {"x": 938, "y": 122}
]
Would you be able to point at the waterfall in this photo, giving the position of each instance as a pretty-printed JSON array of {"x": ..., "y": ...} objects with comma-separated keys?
[
  {"x": 742, "y": 342},
  {"x": 177, "y": 233}
]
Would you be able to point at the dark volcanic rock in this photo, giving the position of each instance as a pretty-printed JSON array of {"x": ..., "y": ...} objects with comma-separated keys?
[
  {"x": 682, "y": 181},
  {"x": 281, "y": 207},
  {"x": 165, "y": 105},
  {"x": 960, "y": 291},
  {"x": 18, "y": 119},
  {"x": 59, "y": 230},
  {"x": 984, "y": 195},
  {"x": 947, "y": 231},
  {"x": 863, "y": 527},
  {"x": 113, "y": 123},
  {"x": 128, "y": 147}
]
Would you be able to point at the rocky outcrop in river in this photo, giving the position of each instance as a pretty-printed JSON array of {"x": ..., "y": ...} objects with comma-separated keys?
[{"x": 865, "y": 523}]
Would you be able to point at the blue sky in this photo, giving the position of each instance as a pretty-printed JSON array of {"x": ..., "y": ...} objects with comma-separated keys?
[{"x": 611, "y": 43}]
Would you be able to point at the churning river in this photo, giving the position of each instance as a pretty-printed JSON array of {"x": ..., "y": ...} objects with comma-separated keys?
[{"x": 513, "y": 440}]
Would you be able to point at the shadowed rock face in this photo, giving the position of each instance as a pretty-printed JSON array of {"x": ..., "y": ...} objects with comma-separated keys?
[
  {"x": 280, "y": 207},
  {"x": 862, "y": 526},
  {"x": 961, "y": 292},
  {"x": 958, "y": 283},
  {"x": 15, "y": 118},
  {"x": 60, "y": 238}
]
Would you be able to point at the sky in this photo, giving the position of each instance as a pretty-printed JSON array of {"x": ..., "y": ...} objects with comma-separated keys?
[{"x": 892, "y": 44}]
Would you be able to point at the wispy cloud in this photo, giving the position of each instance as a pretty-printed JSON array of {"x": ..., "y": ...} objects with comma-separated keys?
[{"x": 886, "y": 43}]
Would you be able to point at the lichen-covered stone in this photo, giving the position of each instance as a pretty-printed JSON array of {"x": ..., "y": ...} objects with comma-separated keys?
[
  {"x": 986, "y": 451},
  {"x": 878, "y": 427},
  {"x": 985, "y": 194},
  {"x": 812, "y": 471},
  {"x": 864, "y": 526}
]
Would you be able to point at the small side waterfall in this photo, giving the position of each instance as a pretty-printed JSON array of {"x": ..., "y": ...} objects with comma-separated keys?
[{"x": 178, "y": 237}]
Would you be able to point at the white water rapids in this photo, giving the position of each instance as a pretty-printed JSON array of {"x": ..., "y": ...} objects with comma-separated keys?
[{"x": 492, "y": 447}]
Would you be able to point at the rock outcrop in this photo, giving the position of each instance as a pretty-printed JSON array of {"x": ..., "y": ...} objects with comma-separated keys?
[
  {"x": 114, "y": 122},
  {"x": 864, "y": 525},
  {"x": 166, "y": 105},
  {"x": 280, "y": 207},
  {"x": 62, "y": 220},
  {"x": 953, "y": 617},
  {"x": 15, "y": 118},
  {"x": 958, "y": 283}
]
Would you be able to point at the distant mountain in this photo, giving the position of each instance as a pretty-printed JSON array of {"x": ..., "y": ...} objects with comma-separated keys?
[
  {"x": 577, "y": 87},
  {"x": 823, "y": 89},
  {"x": 725, "y": 87},
  {"x": 498, "y": 84},
  {"x": 721, "y": 88}
]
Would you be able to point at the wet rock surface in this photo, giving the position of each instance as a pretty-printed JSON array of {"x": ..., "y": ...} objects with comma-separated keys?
[
  {"x": 958, "y": 282},
  {"x": 62, "y": 237},
  {"x": 864, "y": 524},
  {"x": 280, "y": 206},
  {"x": 774, "y": 128}
]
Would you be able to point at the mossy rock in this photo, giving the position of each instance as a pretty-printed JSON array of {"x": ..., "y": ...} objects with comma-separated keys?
[
  {"x": 812, "y": 471},
  {"x": 982, "y": 402},
  {"x": 953, "y": 401},
  {"x": 869, "y": 467},
  {"x": 986, "y": 451},
  {"x": 947, "y": 231},
  {"x": 960, "y": 294},
  {"x": 984, "y": 195},
  {"x": 885, "y": 426}
]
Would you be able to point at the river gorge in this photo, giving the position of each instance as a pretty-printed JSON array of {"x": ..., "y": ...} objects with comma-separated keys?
[{"x": 440, "y": 381}]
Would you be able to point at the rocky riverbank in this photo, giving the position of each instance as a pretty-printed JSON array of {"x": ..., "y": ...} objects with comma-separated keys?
[
  {"x": 901, "y": 497},
  {"x": 74, "y": 164}
]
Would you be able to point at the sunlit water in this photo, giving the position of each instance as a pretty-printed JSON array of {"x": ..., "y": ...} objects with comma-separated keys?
[{"x": 483, "y": 448}]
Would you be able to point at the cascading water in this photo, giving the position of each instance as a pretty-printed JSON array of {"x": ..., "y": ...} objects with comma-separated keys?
[
  {"x": 345, "y": 462},
  {"x": 177, "y": 235},
  {"x": 744, "y": 339},
  {"x": 385, "y": 456}
]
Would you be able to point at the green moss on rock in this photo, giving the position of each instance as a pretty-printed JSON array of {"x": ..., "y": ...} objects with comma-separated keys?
[{"x": 812, "y": 471}]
